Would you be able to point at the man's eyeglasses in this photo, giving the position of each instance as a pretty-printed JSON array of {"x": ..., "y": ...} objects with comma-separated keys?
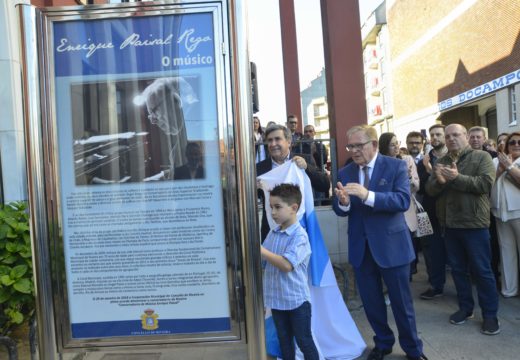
[
  {"x": 513, "y": 142},
  {"x": 293, "y": 122},
  {"x": 354, "y": 147}
]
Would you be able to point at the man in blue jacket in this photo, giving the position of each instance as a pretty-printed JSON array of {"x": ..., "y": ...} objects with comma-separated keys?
[{"x": 374, "y": 191}]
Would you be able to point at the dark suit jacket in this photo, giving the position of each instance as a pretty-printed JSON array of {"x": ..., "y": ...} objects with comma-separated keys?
[
  {"x": 319, "y": 154},
  {"x": 183, "y": 173},
  {"x": 382, "y": 228},
  {"x": 319, "y": 181}
]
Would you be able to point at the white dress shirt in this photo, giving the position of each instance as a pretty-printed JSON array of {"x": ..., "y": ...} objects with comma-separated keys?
[{"x": 371, "y": 198}]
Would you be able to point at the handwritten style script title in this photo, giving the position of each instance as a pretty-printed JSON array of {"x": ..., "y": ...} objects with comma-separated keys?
[{"x": 188, "y": 39}]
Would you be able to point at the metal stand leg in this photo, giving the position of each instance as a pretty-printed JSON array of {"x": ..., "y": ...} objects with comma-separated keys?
[
  {"x": 11, "y": 347},
  {"x": 32, "y": 338}
]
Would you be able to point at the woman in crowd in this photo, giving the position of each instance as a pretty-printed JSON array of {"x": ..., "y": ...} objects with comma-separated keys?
[
  {"x": 389, "y": 146},
  {"x": 505, "y": 206},
  {"x": 501, "y": 142},
  {"x": 258, "y": 138},
  {"x": 490, "y": 145}
]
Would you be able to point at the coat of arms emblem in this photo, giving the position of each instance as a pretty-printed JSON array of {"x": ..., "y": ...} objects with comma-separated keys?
[{"x": 149, "y": 320}]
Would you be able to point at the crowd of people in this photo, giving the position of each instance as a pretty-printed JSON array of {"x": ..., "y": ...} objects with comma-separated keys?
[
  {"x": 305, "y": 144},
  {"x": 300, "y": 143},
  {"x": 468, "y": 185}
]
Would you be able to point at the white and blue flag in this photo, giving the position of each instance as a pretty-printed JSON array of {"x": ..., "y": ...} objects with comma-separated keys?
[{"x": 334, "y": 330}]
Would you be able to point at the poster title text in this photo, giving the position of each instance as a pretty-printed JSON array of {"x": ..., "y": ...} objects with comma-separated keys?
[{"x": 188, "y": 39}]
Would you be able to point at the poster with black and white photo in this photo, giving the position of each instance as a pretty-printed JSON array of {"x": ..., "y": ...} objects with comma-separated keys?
[{"x": 140, "y": 175}]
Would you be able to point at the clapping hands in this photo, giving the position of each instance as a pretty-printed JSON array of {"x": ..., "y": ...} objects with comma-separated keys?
[
  {"x": 427, "y": 164},
  {"x": 344, "y": 192},
  {"x": 504, "y": 161},
  {"x": 445, "y": 173}
]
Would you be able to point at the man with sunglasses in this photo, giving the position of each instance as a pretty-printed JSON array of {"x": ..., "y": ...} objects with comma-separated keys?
[
  {"x": 461, "y": 181},
  {"x": 374, "y": 192},
  {"x": 315, "y": 148},
  {"x": 292, "y": 125}
]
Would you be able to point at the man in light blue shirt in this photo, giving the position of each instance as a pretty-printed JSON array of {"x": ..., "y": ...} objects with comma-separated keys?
[{"x": 286, "y": 252}]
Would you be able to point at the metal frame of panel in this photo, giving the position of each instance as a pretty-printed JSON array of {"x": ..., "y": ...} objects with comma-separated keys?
[{"x": 239, "y": 191}]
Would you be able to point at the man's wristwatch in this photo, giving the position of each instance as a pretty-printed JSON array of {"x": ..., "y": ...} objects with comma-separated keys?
[{"x": 510, "y": 167}]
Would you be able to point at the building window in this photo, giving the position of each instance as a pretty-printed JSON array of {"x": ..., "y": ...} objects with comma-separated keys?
[
  {"x": 514, "y": 108},
  {"x": 382, "y": 65},
  {"x": 320, "y": 110},
  {"x": 316, "y": 110},
  {"x": 380, "y": 41},
  {"x": 384, "y": 100}
]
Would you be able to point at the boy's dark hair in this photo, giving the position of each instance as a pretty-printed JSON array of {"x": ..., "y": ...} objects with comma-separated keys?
[{"x": 289, "y": 193}]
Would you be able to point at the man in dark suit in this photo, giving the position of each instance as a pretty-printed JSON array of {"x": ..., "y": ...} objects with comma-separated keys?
[
  {"x": 292, "y": 125},
  {"x": 432, "y": 245},
  {"x": 374, "y": 191},
  {"x": 278, "y": 139},
  {"x": 315, "y": 148}
]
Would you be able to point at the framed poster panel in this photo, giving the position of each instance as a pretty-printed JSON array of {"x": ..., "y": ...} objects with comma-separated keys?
[{"x": 142, "y": 173}]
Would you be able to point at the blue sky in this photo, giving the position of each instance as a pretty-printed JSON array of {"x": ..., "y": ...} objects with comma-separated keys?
[{"x": 265, "y": 49}]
